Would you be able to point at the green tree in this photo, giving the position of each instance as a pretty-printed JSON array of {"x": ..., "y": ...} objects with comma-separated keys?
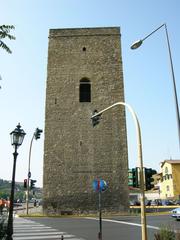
[{"x": 5, "y": 33}]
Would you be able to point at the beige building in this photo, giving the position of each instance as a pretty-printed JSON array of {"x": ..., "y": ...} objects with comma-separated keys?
[{"x": 169, "y": 179}]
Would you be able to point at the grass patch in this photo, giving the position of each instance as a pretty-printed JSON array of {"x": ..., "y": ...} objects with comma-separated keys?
[{"x": 67, "y": 215}]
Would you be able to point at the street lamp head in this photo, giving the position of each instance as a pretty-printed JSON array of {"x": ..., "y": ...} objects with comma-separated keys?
[
  {"x": 136, "y": 44},
  {"x": 17, "y": 136}
]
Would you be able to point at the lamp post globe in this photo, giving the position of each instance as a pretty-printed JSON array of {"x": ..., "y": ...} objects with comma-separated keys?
[{"x": 17, "y": 137}]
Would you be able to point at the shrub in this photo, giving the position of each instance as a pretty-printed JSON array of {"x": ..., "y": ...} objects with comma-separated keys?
[
  {"x": 3, "y": 224},
  {"x": 3, "y": 227},
  {"x": 167, "y": 233},
  {"x": 178, "y": 235}
]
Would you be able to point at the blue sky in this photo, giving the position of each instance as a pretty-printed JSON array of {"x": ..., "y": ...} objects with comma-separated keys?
[{"x": 147, "y": 76}]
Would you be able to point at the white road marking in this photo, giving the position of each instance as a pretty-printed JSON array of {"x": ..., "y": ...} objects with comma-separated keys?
[
  {"x": 122, "y": 222},
  {"x": 29, "y": 230},
  {"x": 25, "y": 230},
  {"x": 38, "y": 237},
  {"x": 38, "y": 234}
]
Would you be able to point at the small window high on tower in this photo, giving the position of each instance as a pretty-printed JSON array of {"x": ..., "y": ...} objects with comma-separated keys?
[{"x": 85, "y": 90}]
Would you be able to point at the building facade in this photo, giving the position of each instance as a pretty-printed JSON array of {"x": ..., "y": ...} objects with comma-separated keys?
[
  {"x": 170, "y": 179},
  {"x": 84, "y": 74}
]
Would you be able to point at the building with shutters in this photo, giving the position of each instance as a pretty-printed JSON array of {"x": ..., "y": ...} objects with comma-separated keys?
[{"x": 169, "y": 179}]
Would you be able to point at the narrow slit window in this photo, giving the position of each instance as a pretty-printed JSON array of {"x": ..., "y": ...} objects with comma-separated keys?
[{"x": 85, "y": 91}]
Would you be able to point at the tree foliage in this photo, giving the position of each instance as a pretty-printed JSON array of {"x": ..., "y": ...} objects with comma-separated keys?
[
  {"x": 5, "y": 190},
  {"x": 5, "y": 33}
]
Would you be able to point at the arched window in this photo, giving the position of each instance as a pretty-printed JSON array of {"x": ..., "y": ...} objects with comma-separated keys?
[{"x": 85, "y": 90}]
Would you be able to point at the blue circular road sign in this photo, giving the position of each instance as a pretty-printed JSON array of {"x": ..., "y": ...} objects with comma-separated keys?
[{"x": 99, "y": 185}]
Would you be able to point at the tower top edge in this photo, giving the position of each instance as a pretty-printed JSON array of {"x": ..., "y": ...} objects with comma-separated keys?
[{"x": 61, "y": 32}]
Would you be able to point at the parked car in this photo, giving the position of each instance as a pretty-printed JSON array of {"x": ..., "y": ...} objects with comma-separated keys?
[
  {"x": 148, "y": 202},
  {"x": 177, "y": 202},
  {"x": 17, "y": 204},
  {"x": 156, "y": 202},
  {"x": 134, "y": 203},
  {"x": 175, "y": 213},
  {"x": 167, "y": 202}
]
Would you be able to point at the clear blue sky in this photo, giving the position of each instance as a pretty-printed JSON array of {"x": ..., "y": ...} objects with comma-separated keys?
[{"x": 147, "y": 76}]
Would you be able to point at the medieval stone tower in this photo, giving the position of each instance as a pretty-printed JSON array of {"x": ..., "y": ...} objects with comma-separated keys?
[{"x": 84, "y": 73}]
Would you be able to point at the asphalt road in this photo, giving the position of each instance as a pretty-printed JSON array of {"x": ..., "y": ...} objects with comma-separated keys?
[{"x": 114, "y": 228}]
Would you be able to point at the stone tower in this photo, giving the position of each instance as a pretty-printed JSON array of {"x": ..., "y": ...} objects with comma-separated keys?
[{"x": 84, "y": 73}]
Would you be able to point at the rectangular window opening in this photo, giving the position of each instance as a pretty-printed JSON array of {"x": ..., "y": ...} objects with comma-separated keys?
[{"x": 85, "y": 92}]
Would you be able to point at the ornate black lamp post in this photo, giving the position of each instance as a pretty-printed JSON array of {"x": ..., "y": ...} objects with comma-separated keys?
[{"x": 17, "y": 137}]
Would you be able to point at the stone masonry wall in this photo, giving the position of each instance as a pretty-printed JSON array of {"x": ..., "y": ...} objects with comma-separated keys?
[{"x": 75, "y": 153}]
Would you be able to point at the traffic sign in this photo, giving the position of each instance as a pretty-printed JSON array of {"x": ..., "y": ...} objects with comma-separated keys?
[{"x": 99, "y": 185}]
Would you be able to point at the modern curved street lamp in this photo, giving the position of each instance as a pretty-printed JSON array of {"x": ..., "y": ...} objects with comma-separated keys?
[
  {"x": 17, "y": 137},
  {"x": 138, "y": 43},
  {"x": 0, "y": 79},
  {"x": 140, "y": 162},
  {"x": 36, "y": 135}
]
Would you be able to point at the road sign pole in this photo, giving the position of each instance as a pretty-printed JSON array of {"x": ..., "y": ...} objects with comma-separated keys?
[
  {"x": 100, "y": 218},
  {"x": 29, "y": 176},
  {"x": 99, "y": 186}
]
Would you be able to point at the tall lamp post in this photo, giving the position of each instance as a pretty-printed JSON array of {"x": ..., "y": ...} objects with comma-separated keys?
[
  {"x": 138, "y": 43},
  {"x": 28, "y": 177},
  {"x": 0, "y": 79},
  {"x": 36, "y": 135},
  {"x": 140, "y": 161},
  {"x": 17, "y": 137}
]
